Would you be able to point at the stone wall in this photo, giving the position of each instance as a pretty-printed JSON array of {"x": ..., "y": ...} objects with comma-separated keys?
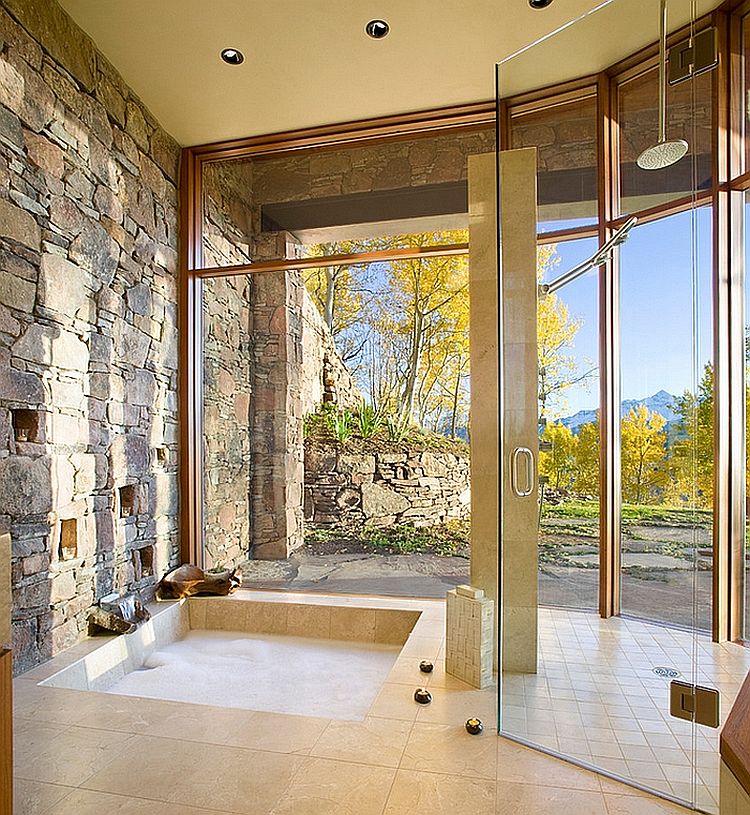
[
  {"x": 405, "y": 486},
  {"x": 227, "y": 391},
  {"x": 412, "y": 162},
  {"x": 88, "y": 329},
  {"x": 325, "y": 377}
]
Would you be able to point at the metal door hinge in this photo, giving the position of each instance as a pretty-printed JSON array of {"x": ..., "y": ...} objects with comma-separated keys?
[
  {"x": 693, "y": 56},
  {"x": 694, "y": 703}
]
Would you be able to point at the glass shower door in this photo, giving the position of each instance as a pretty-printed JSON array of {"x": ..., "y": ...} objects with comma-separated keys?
[{"x": 623, "y": 533}]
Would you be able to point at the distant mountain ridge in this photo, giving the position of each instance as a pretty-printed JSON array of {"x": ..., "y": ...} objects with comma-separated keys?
[{"x": 661, "y": 402}]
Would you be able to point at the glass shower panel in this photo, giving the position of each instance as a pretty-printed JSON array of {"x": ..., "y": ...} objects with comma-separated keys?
[
  {"x": 565, "y": 137},
  {"x": 598, "y": 694},
  {"x": 688, "y": 117}
]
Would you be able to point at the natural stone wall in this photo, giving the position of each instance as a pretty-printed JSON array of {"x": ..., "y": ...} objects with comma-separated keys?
[
  {"x": 361, "y": 168},
  {"x": 268, "y": 360},
  {"x": 417, "y": 487},
  {"x": 227, "y": 391},
  {"x": 88, "y": 329},
  {"x": 306, "y": 175},
  {"x": 325, "y": 377}
]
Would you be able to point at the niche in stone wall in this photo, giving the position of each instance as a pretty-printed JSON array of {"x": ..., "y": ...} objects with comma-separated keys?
[
  {"x": 162, "y": 456},
  {"x": 143, "y": 562},
  {"x": 127, "y": 499},
  {"x": 28, "y": 425},
  {"x": 68, "y": 549}
]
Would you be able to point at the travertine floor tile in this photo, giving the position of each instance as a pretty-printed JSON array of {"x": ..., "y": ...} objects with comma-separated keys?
[
  {"x": 68, "y": 757},
  {"x": 190, "y": 773},
  {"x": 641, "y": 804},
  {"x": 441, "y": 748},
  {"x": 415, "y": 792},
  {"x": 379, "y": 742},
  {"x": 88, "y": 802},
  {"x": 276, "y": 732},
  {"x": 528, "y": 799},
  {"x": 522, "y": 765},
  {"x": 36, "y": 797},
  {"x": 336, "y": 788}
]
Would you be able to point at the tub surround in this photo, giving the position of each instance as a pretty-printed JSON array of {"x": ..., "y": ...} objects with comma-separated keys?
[
  {"x": 106, "y": 751},
  {"x": 314, "y": 660}
]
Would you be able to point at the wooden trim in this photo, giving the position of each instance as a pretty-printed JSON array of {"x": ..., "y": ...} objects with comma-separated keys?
[
  {"x": 609, "y": 380},
  {"x": 562, "y": 235},
  {"x": 734, "y": 742},
  {"x": 451, "y": 118},
  {"x": 189, "y": 364},
  {"x": 6, "y": 733},
  {"x": 541, "y": 100},
  {"x": 728, "y": 347},
  {"x": 358, "y": 258}
]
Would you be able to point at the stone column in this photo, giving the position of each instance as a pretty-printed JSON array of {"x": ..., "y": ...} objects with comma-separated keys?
[
  {"x": 517, "y": 616},
  {"x": 277, "y": 420}
]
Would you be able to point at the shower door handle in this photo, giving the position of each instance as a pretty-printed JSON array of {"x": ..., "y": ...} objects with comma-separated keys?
[{"x": 515, "y": 472}]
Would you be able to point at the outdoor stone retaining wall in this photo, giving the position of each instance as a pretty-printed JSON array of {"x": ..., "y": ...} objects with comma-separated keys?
[
  {"x": 415, "y": 487},
  {"x": 88, "y": 329}
]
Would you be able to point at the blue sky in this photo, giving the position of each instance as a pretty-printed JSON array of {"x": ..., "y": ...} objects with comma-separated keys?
[{"x": 656, "y": 307}]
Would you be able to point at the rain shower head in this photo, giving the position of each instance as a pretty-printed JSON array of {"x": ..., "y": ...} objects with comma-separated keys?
[{"x": 664, "y": 153}]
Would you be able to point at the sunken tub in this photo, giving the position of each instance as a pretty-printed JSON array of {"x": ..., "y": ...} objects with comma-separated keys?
[{"x": 308, "y": 659}]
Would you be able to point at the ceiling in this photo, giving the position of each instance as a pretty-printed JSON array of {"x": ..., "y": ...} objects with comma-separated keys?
[{"x": 309, "y": 62}]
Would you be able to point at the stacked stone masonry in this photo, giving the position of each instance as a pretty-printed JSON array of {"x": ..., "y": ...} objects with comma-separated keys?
[
  {"x": 88, "y": 330},
  {"x": 469, "y": 636},
  {"x": 420, "y": 488}
]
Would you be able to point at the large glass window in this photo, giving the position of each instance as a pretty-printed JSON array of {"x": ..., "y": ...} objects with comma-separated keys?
[
  {"x": 688, "y": 117},
  {"x": 666, "y": 420},
  {"x": 565, "y": 138},
  {"x": 568, "y": 350}
]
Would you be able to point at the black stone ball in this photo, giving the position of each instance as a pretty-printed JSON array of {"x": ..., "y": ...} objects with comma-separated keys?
[
  {"x": 474, "y": 726},
  {"x": 423, "y": 696},
  {"x": 426, "y": 666}
]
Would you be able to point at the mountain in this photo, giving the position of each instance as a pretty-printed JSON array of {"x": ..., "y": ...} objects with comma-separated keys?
[{"x": 661, "y": 402}]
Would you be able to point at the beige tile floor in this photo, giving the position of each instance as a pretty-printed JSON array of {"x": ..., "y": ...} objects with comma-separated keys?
[
  {"x": 597, "y": 699},
  {"x": 83, "y": 753}
]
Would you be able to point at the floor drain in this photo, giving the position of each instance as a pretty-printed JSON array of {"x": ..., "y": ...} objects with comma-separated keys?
[{"x": 668, "y": 673}]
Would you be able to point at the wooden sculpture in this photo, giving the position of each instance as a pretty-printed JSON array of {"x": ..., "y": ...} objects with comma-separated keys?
[{"x": 187, "y": 580}]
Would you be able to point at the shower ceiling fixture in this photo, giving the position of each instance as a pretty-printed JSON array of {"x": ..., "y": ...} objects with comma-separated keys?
[
  {"x": 664, "y": 153},
  {"x": 600, "y": 256}
]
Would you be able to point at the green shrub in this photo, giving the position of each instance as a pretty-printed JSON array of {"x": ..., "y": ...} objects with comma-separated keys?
[
  {"x": 369, "y": 421},
  {"x": 341, "y": 424}
]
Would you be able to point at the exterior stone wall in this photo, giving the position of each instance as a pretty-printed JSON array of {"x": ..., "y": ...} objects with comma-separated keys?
[
  {"x": 227, "y": 391},
  {"x": 422, "y": 488},
  {"x": 88, "y": 330},
  {"x": 410, "y": 162},
  {"x": 325, "y": 377}
]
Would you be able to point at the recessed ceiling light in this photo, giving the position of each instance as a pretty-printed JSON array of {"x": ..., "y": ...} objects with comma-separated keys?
[
  {"x": 377, "y": 29},
  {"x": 537, "y": 4},
  {"x": 232, "y": 56}
]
